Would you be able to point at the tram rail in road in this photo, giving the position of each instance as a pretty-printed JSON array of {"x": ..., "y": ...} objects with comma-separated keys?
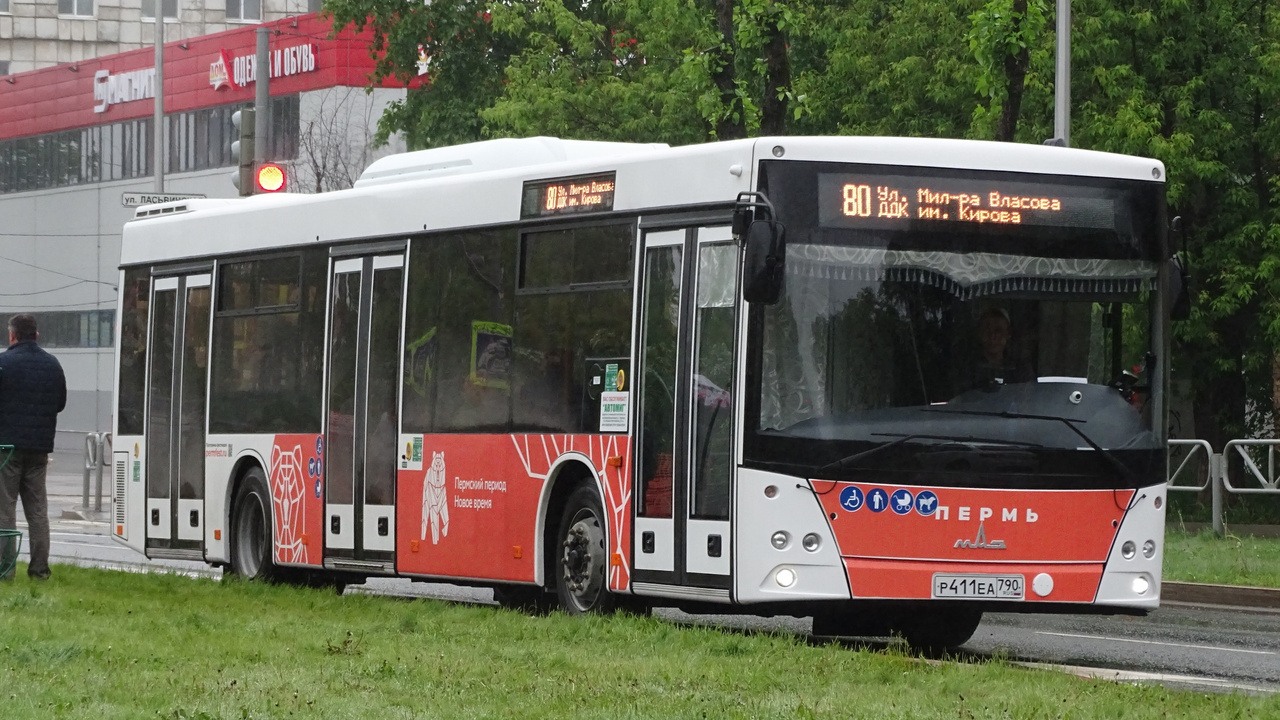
[{"x": 1185, "y": 645}]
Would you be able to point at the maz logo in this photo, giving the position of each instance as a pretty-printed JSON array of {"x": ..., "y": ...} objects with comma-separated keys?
[{"x": 980, "y": 542}]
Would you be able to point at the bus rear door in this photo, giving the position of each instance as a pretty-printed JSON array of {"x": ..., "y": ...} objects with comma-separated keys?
[
  {"x": 362, "y": 411},
  {"x": 682, "y": 539}
]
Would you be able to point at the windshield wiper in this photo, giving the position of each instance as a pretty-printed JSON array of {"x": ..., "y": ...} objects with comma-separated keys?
[
  {"x": 1069, "y": 422},
  {"x": 845, "y": 462}
]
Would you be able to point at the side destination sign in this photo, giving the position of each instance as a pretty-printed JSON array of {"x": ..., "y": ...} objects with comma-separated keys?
[
  {"x": 134, "y": 199},
  {"x": 567, "y": 196}
]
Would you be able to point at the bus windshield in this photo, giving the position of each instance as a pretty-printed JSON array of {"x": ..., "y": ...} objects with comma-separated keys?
[{"x": 960, "y": 365}]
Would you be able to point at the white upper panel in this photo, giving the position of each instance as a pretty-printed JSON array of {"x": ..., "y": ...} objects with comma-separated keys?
[{"x": 481, "y": 184}]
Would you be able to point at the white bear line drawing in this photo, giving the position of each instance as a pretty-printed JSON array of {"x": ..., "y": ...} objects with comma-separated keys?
[{"x": 435, "y": 501}]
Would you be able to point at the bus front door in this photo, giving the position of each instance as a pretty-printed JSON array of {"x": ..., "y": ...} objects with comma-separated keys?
[
  {"x": 177, "y": 378},
  {"x": 362, "y": 412},
  {"x": 685, "y": 433}
]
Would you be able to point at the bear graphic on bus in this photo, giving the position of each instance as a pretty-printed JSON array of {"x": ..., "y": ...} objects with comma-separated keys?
[{"x": 435, "y": 501}]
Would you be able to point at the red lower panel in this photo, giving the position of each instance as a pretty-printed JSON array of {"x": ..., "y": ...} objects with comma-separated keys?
[
  {"x": 907, "y": 579},
  {"x": 296, "y": 498},
  {"x": 471, "y": 510}
]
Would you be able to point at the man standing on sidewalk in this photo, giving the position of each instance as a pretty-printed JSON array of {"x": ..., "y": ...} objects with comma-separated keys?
[{"x": 33, "y": 391}]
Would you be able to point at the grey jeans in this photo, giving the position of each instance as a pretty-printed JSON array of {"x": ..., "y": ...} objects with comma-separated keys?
[{"x": 23, "y": 476}]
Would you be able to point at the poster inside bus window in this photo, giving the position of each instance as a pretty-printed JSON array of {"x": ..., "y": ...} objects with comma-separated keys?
[
  {"x": 875, "y": 201},
  {"x": 567, "y": 196}
]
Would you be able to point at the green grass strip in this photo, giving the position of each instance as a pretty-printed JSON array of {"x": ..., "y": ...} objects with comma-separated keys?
[
  {"x": 1228, "y": 560},
  {"x": 100, "y": 644}
]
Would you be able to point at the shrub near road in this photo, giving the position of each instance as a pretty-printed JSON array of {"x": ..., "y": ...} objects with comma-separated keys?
[{"x": 99, "y": 644}]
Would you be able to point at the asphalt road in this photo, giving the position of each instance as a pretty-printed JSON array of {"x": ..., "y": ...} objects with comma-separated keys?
[{"x": 1201, "y": 647}]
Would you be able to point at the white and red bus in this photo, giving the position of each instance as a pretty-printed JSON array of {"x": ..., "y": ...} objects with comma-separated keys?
[{"x": 890, "y": 383}]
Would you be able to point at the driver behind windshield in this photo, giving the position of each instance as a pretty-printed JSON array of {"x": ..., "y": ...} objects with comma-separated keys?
[{"x": 997, "y": 364}]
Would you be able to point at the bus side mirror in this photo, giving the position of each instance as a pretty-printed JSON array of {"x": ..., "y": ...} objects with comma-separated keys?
[
  {"x": 765, "y": 260},
  {"x": 1179, "y": 290}
]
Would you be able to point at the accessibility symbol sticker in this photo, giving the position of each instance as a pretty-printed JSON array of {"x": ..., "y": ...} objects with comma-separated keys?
[
  {"x": 851, "y": 499},
  {"x": 926, "y": 503},
  {"x": 878, "y": 500},
  {"x": 903, "y": 501}
]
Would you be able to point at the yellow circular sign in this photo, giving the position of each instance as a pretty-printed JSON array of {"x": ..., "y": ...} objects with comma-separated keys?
[{"x": 622, "y": 378}]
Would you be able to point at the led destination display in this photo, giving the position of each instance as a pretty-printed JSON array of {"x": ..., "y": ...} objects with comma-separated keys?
[
  {"x": 567, "y": 196},
  {"x": 901, "y": 202}
]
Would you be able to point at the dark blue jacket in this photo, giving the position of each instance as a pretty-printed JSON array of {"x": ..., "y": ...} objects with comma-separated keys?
[{"x": 33, "y": 391}]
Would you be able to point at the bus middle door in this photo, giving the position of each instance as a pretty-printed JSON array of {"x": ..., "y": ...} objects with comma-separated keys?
[
  {"x": 362, "y": 412},
  {"x": 685, "y": 433},
  {"x": 177, "y": 382}
]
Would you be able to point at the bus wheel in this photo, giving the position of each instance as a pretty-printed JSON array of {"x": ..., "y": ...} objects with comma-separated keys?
[
  {"x": 938, "y": 631},
  {"x": 581, "y": 563},
  {"x": 251, "y": 529}
]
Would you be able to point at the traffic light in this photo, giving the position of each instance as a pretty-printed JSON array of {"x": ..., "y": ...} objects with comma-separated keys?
[
  {"x": 270, "y": 178},
  {"x": 242, "y": 152}
]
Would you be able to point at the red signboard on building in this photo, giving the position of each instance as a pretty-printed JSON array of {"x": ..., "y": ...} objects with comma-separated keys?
[{"x": 200, "y": 72}]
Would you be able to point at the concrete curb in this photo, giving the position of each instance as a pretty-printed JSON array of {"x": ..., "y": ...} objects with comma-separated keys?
[{"x": 1230, "y": 595}]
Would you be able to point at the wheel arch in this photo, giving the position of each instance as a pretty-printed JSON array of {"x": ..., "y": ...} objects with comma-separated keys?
[{"x": 568, "y": 472}]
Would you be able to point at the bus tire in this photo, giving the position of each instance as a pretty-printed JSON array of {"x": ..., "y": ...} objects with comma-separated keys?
[
  {"x": 251, "y": 529},
  {"x": 581, "y": 556},
  {"x": 933, "y": 632}
]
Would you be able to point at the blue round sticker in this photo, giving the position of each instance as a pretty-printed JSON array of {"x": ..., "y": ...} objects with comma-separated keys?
[
  {"x": 926, "y": 503},
  {"x": 319, "y": 445},
  {"x": 902, "y": 501},
  {"x": 878, "y": 500},
  {"x": 317, "y": 488},
  {"x": 851, "y": 499},
  {"x": 311, "y": 467}
]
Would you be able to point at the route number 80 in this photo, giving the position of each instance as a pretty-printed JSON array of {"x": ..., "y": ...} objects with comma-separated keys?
[{"x": 857, "y": 200}]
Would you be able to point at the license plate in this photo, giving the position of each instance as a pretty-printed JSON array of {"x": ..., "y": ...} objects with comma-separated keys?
[{"x": 979, "y": 587}]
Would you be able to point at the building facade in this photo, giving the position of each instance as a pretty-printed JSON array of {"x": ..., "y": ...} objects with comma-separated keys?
[
  {"x": 76, "y": 158},
  {"x": 36, "y": 34}
]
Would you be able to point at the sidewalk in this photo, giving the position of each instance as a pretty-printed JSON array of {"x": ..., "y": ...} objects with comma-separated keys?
[{"x": 64, "y": 484}]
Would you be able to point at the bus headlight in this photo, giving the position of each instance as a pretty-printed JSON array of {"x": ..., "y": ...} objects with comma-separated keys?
[
  {"x": 1128, "y": 550},
  {"x": 780, "y": 540},
  {"x": 811, "y": 542},
  {"x": 1149, "y": 549},
  {"x": 1141, "y": 585}
]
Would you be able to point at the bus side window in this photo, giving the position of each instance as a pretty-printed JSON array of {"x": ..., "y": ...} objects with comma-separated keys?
[
  {"x": 456, "y": 373},
  {"x": 573, "y": 303}
]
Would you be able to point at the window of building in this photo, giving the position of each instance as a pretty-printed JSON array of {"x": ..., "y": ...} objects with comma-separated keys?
[
  {"x": 313, "y": 6},
  {"x": 197, "y": 140},
  {"x": 244, "y": 9},
  {"x": 81, "y": 8},
  {"x": 4, "y": 66},
  {"x": 268, "y": 345},
  {"x": 78, "y": 329},
  {"x": 170, "y": 8}
]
